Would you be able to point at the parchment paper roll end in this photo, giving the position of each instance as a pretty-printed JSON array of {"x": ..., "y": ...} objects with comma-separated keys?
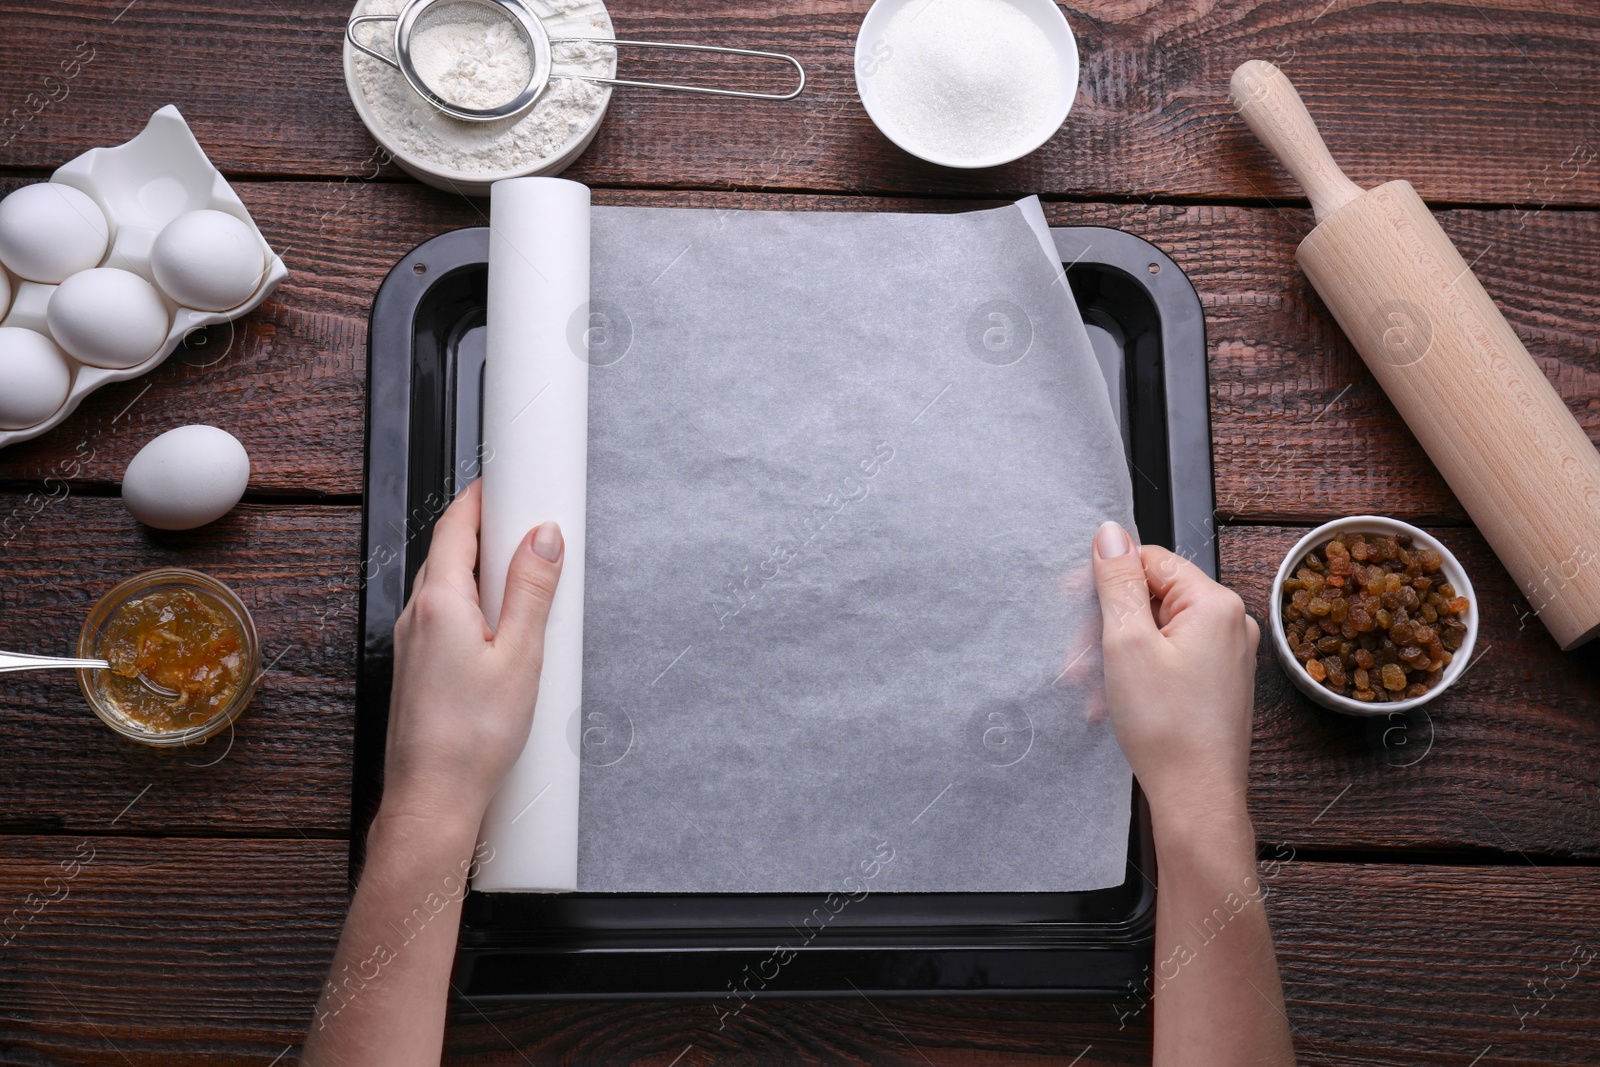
[{"x": 535, "y": 468}]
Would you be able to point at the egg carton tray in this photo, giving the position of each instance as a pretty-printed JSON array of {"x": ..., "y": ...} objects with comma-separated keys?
[{"x": 141, "y": 186}]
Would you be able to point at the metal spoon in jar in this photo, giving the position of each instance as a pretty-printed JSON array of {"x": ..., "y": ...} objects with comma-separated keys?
[{"x": 21, "y": 661}]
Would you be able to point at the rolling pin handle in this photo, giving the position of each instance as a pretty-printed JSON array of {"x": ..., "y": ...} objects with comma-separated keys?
[{"x": 1269, "y": 104}]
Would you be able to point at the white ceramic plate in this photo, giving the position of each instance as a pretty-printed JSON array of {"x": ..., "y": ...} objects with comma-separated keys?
[
  {"x": 1370, "y": 524},
  {"x": 141, "y": 186}
]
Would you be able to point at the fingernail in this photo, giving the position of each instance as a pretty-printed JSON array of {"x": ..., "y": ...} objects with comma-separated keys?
[
  {"x": 547, "y": 541},
  {"x": 1111, "y": 540}
]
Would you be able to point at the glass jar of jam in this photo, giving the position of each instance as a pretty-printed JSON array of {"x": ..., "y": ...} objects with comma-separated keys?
[{"x": 184, "y": 655}]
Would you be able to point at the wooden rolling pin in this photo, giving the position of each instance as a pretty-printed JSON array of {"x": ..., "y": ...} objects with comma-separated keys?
[{"x": 1489, "y": 419}]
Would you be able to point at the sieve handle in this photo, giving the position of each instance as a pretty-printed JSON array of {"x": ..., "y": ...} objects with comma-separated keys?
[
  {"x": 350, "y": 35},
  {"x": 791, "y": 60}
]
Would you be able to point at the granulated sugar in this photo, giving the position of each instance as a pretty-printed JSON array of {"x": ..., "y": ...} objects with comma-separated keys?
[
  {"x": 967, "y": 79},
  {"x": 460, "y": 72}
]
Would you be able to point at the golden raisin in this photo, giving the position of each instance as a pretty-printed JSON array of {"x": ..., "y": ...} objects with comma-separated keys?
[{"x": 1362, "y": 614}]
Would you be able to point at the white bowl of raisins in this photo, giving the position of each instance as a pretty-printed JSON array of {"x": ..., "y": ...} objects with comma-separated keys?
[{"x": 1372, "y": 616}]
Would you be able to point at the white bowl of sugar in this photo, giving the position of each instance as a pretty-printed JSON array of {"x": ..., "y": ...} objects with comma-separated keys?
[{"x": 967, "y": 83}]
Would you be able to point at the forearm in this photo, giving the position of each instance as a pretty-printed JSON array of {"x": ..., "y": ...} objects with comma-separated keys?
[
  {"x": 384, "y": 1001},
  {"x": 1217, "y": 996}
]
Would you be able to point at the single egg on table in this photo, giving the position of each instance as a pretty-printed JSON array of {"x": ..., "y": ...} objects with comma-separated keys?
[
  {"x": 207, "y": 260},
  {"x": 108, "y": 318},
  {"x": 186, "y": 478},
  {"x": 49, "y": 231},
  {"x": 34, "y": 378}
]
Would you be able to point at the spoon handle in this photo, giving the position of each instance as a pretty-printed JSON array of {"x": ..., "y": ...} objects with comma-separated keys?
[{"x": 19, "y": 661}]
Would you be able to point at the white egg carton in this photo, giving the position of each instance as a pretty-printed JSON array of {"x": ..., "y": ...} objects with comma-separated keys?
[{"x": 141, "y": 186}]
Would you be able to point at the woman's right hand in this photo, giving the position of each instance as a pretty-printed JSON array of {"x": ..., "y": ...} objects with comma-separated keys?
[{"x": 1180, "y": 659}]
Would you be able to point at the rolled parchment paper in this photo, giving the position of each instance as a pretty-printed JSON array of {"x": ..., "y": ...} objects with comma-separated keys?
[{"x": 536, "y": 441}]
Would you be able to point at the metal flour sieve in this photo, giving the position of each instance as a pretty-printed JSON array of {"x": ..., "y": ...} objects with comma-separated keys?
[{"x": 530, "y": 27}]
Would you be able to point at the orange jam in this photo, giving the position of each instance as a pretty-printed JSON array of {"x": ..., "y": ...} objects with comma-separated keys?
[{"x": 185, "y": 641}]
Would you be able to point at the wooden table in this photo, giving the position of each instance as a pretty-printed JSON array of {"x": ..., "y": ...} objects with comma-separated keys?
[{"x": 1431, "y": 901}]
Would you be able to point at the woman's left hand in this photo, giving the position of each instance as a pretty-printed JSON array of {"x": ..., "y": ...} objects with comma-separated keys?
[{"x": 463, "y": 693}]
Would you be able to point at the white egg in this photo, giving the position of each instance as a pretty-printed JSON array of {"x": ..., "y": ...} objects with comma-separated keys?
[
  {"x": 186, "y": 478},
  {"x": 207, "y": 260},
  {"x": 34, "y": 378},
  {"x": 49, "y": 231},
  {"x": 108, "y": 317}
]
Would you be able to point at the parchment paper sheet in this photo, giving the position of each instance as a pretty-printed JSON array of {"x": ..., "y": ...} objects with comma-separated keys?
[{"x": 843, "y": 474}]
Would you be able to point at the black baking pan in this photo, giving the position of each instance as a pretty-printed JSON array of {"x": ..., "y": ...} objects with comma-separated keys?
[{"x": 424, "y": 375}]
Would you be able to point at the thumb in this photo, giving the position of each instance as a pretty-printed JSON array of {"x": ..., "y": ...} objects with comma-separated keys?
[
  {"x": 530, "y": 587},
  {"x": 1120, "y": 580}
]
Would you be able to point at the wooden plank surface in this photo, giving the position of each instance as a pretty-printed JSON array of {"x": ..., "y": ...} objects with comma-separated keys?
[
  {"x": 1300, "y": 430},
  {"x": 1477, "y": 775},
  {"x": 200, "y": 930},
  {"x": 1475, "y": 102},
  {"x": 1503, "y": 761},
  {"x": 283, "y": 769},
  {"x": 147, "y": 951}
]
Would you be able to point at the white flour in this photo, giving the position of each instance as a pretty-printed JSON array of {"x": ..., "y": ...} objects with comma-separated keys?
[
  {"x": 464, "y": 68},
  {"x": 473, "y": 60},
  {"x": 967, "y": 78}
]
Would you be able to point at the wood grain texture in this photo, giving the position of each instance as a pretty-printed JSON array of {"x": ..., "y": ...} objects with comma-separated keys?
[
  {"x": 163, "y": 951},
  {"x": 1300, "y": 431},
  {"x": 1508, "y": 759},
  {"x": 285, "y": 768},
  {"x": 1267, "y": 102},
  {"x": 1427, "y": 965},
  {"x": 175, "y": 948},
  {"x": 1512, "y": 764},
  {"x": 192, "y": 951},
  {"x": 1473, "y": 102}
]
